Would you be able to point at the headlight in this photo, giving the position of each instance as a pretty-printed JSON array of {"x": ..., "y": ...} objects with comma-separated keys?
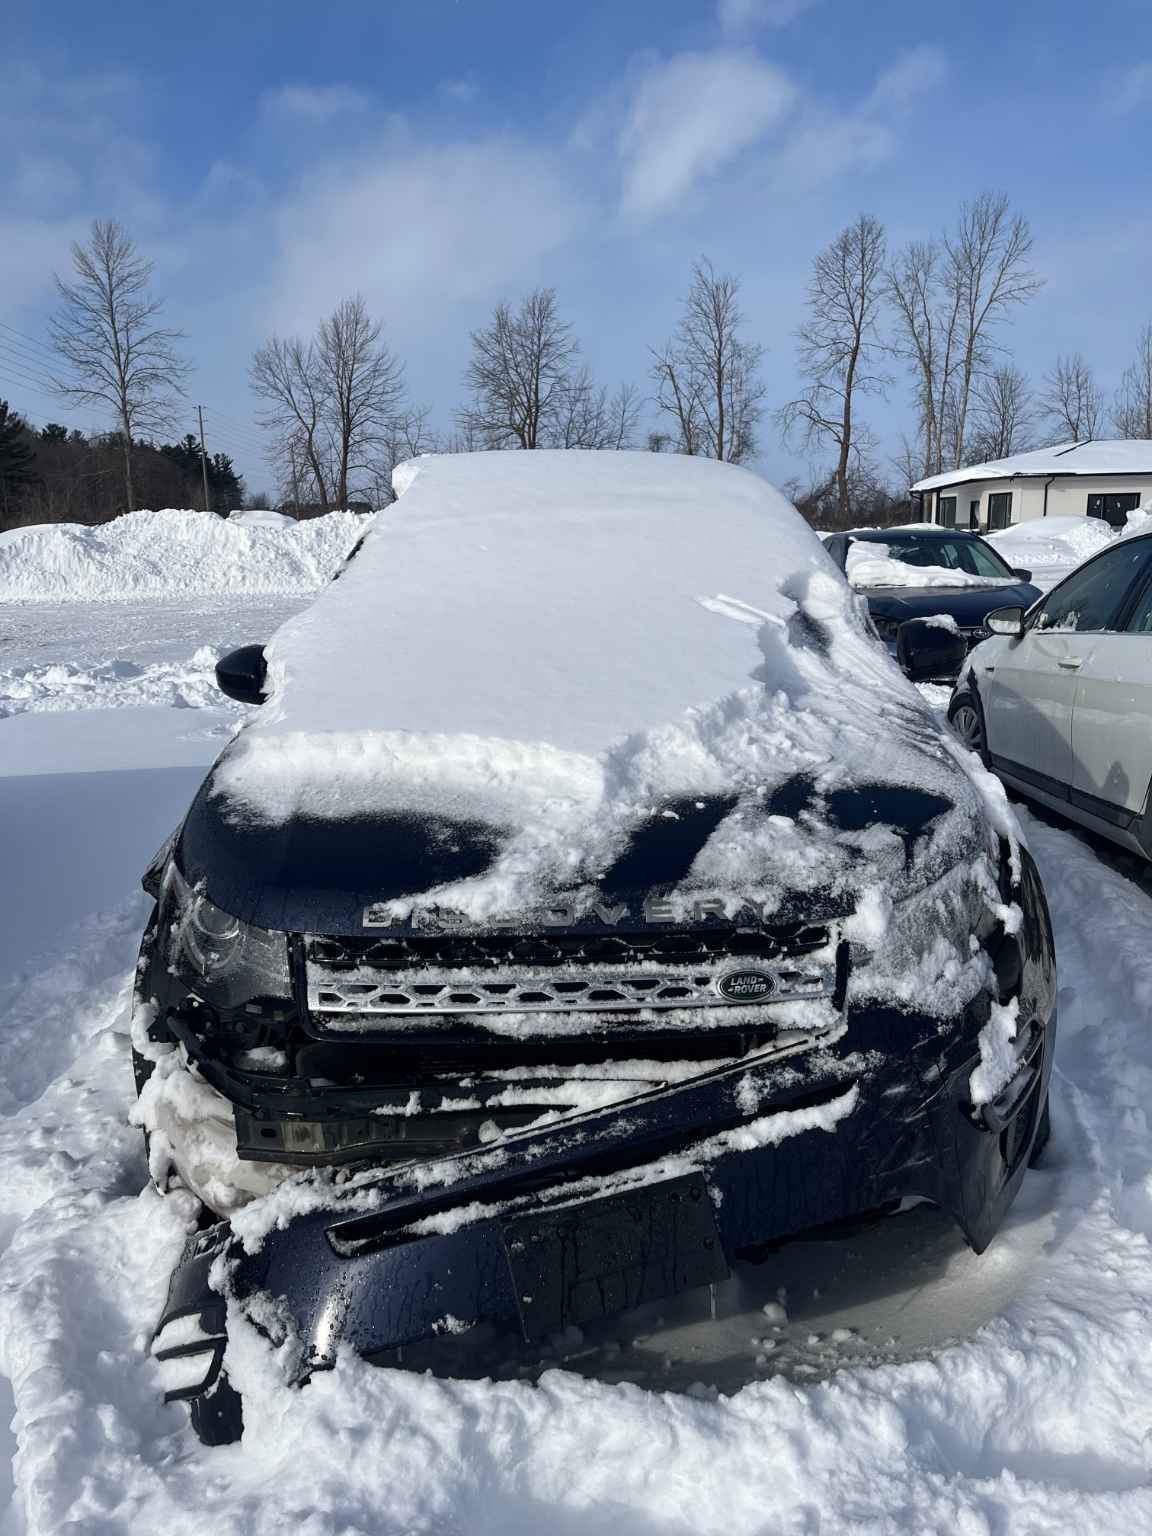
[{"x": 222, "y": 960}]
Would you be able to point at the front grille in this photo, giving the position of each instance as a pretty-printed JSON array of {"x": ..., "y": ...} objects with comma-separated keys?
[
  {"x": 563, "y": 973},
  {"x": 684, "y": 946}
]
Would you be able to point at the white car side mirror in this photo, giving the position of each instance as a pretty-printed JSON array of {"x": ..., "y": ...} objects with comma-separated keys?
[{"x": 1006, "y": 621}]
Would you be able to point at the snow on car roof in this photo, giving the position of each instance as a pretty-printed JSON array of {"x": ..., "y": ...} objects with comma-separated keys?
[
  {"x": 566, "y": 597},
  {"x": 1102, "y": 456},
  {"x": 555, "y": 643}
]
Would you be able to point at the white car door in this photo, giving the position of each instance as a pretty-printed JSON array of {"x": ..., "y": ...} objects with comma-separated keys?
[
  {"x": 1112, "y": 718},
  {"x": 1029, "y": 692}
]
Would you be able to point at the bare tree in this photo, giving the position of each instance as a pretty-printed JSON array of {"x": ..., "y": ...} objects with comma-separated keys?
[
  {"x": 107, "y": 332},
  {"x": 362, "y": 384},
  {"x": 1072, "y": 402},
  {"x": 1000, "y": 416},
  {"x": 908, "y": 464},
  {"x": 707, "y": 375},
  {"x": 839, "y": 347},
  {"x": 286, "y": 373},
  {"x": 406, "y": 437},
  {"x": 588, "y": 417},
  {"x": 332, "y": 403},
  {"x": 1132, "y": 411},
  {"x": 949, "y": 296},
  {"x": 520, "y": 373},
  {"x": 987, "y": 272},
  {"x": 925, "y": 338}
]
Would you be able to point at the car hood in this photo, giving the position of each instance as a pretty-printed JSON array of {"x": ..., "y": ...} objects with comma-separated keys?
[
  {"x": 969, "y": 606},
  {"x": 807, "y": 849}
]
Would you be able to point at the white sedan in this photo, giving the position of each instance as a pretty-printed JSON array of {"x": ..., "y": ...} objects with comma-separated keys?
[{"x": 1059, "y": 701}]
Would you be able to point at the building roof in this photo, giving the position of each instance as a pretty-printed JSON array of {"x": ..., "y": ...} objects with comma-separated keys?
[{"x": 1101, "y": 456}]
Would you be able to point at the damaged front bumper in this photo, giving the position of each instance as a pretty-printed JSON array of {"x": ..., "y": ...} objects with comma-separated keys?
[{"x": 590, "y": 1216}]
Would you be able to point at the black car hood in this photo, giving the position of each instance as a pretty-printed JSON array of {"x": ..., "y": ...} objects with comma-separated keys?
[
  {"x": 969, "y": 606},
  {"x": 338, "y": 876}
]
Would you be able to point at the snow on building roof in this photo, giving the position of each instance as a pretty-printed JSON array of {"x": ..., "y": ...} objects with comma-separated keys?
[{"x": 1102, "y": 456}]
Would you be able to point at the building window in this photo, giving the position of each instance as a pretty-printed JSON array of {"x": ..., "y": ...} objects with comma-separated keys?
[
  {"x": 1114, "y": 509},
  {"x": 946, "y": 511},
  {"x": 999, "y": 510},
  {"x": 974, "y": 516}
]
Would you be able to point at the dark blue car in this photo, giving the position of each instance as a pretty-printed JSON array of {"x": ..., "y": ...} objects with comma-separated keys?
[{"x": 988, "y": 582}]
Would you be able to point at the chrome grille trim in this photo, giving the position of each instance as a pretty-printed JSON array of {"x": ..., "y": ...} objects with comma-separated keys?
[{"x": 567, "y": 990}]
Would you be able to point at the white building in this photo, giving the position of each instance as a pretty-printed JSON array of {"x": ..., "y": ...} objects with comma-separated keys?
[{"x": 1105, "y": 479}]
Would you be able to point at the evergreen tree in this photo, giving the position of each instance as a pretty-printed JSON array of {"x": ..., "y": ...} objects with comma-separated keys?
[
  {"x": 225, "y": 487},
  {"x": 17, "y": 456}
]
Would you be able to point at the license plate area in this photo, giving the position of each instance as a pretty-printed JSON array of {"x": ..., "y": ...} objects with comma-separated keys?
[{"x": 585, "y": 1262}]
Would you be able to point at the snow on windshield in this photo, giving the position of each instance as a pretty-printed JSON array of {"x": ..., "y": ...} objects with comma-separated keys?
[
  {"x": 556, "y": 644},
  {"x": 872, "y": 564}
]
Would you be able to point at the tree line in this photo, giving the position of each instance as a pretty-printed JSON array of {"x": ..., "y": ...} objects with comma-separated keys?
[{"x": 337, "y": 414}]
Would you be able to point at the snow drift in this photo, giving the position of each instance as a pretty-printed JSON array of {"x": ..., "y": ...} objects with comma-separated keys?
[
  {"x": 1051, "y": 544},
  {"x": 174, "y": 553}
]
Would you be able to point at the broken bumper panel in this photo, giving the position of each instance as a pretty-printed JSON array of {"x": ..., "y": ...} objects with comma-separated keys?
[{"x": 581, "y": 1220}]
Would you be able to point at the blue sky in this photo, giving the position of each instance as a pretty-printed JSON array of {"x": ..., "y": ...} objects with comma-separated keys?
[{"x": 441, "y": 155}]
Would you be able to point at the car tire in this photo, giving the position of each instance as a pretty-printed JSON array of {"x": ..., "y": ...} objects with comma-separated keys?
[
  {"x": 966, "y": 717},
  {"x": 1043, "y": 1134}
]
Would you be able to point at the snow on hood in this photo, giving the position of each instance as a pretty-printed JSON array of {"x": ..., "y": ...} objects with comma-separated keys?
[
  {"x": 871, "y": 564},
  {"x": 562, "y": 646}
]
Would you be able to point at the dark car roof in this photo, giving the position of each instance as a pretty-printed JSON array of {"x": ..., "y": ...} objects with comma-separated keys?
[{"x": 882, "y": 535}]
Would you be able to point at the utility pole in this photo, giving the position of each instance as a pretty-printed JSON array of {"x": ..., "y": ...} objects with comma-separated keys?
[{"x": 203, "y": 457}]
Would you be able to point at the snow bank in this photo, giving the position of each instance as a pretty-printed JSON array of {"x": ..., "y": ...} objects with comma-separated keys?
[
  {"x": 173, "y": 553},
  {"x": 1051, "y": 544},
  {"x": 261, "y": 517}
]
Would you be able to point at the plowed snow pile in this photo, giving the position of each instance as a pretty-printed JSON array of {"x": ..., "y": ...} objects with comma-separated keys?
[
  {"x": 173, "y": 552},
  {"x": 1049, "y": 547}
]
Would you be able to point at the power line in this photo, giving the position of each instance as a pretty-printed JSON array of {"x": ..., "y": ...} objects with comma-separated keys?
[
  {"x": 26, "y": 353},
  {"x": 40, "y": 386},
  {"x": 20, "y": 362},
  {"x": 23, "y": 336},
  {"x": 236, "y": 429},
  {"x": 234, "y": 445}
]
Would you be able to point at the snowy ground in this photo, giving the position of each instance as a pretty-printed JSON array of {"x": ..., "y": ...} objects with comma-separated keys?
[{"x": 894, "y": 1384}]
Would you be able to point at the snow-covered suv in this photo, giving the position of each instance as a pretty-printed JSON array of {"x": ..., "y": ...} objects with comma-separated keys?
[{"x": 590, "y": 903}]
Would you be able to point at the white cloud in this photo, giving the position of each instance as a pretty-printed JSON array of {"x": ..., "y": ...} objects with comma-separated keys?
[
  {"x": 1133, "y": 90},
  {"x": 739, "y": 17},
  {"x": 462, "y": 91},
  {"x": 824, "y": 146},
  {"x": 313, "y": 103},
  {"x": 915, "y": 73},
  {"x": 690, "y": 115},
  {"x": 418, "y": 228}
]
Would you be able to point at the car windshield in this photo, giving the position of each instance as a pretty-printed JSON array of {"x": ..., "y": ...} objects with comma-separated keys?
[{"x": 971, "y": 556}]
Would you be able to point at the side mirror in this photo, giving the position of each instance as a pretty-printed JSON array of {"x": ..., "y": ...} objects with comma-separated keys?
[
  {"x": 926, "y": 650},
  {"x": 1006, "y": 621},
  {"x": 1022, "y": 573},
  {"x": 241, "y": 674}
]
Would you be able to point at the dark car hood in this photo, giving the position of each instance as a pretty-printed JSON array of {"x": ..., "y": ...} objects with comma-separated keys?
[
  {"x": 327, "y": 876},
  {"x": 969, "y": 606}
]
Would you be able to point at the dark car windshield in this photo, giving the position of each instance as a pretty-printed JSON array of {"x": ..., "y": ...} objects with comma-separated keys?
[{"x": 972, "y": 556}]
